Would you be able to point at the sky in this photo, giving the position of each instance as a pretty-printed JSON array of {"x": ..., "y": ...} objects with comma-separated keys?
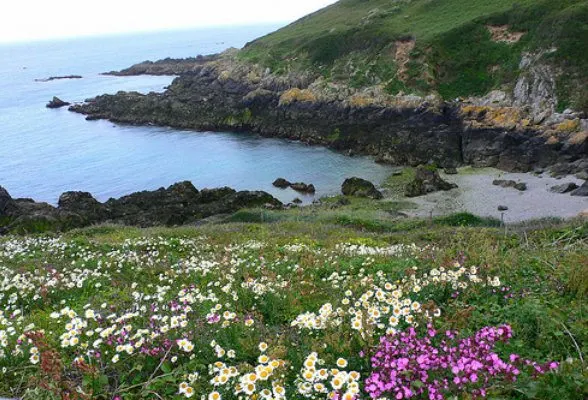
[{"x": 27, "y": 20}]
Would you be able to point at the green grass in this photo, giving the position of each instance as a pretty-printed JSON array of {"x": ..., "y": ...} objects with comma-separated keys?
[
  {"x": 352, "y": 41},
  {"x": 298, "y": 267}
]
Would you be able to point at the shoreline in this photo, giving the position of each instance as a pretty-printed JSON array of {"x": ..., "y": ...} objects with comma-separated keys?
[{"x": 477, "y": 195}]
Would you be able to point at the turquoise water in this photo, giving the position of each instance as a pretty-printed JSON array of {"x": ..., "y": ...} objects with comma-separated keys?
[{"x": 45, "y": 152}]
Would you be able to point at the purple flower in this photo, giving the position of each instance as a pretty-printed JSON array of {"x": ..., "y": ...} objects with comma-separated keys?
[{"x": 449, "y": 366}]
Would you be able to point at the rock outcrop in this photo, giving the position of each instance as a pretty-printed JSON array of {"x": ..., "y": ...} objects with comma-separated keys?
[
  {"x": 521, "y": 186},
  {"x": 167, "y": 66},
  {"x": 56, "y": 102},
  {"x": 179, "y": 204},
  {"x": 581, "y": 191},
  {"x": 54, "y": 78},
  {"x": 281, "y": 183},
  {"x": 360, "y": 188},
  {"x": 225, "y": 93},
  {"x": 427, "y": 180},
  {"x": 564, "y": 188},
  {"x": 303, "y": 187}
]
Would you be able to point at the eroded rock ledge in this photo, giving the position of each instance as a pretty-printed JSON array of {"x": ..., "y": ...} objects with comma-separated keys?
[
  {"x": 226, "y": 94},
  {"x": 179, "y": 204}
]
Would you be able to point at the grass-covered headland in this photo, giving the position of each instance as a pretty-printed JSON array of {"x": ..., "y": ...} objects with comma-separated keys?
[
  {"x": 297, "y": 309},
  {"x": 444, "y": 46}
]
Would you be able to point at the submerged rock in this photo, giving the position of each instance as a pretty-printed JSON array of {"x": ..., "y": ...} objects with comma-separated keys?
[
  {"x": 502, "y": 208},
  {"x": 450, "y": 171},
  {"x": 360, "y": 188},
  {"x": 56, "y": 102},
  {"x": 565, "y": 188},
  {"x": 426, "y": 181}
]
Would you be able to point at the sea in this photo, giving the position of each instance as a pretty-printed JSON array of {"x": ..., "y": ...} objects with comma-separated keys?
[{"x": 44, "y": 152}]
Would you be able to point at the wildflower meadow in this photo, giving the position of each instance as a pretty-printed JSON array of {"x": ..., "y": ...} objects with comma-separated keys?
[{"x": 256, "y": 312}]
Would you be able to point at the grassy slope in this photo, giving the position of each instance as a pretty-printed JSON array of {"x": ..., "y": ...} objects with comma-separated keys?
[
  {"x": 453, "y": 55},
  {"x": 543, "y": 267}
]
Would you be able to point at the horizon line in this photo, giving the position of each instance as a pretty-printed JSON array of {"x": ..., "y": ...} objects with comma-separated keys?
[{"x": 138, "y": 32}]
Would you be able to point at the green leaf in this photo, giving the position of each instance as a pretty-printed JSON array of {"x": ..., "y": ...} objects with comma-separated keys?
[{"x": 166, "y": 368}]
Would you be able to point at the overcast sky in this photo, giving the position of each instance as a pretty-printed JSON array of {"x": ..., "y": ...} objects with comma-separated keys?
[{"x": 23, "y": 20}]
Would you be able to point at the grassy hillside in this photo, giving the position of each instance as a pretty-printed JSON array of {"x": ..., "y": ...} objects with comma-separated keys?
[
  {"x": 295, "y": 309},
  {"x": 454, "y": 53}
]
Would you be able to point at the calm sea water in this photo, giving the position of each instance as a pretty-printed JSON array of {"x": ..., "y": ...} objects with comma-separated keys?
[{"x": 45, "y": 152}]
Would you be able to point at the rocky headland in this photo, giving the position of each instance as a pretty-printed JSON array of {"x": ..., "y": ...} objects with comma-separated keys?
[
  {"x": 55, "y": 78},
  {"x": 167, "y": 66},
  {"x": 518, "y": 131},
  {"x": 179, "y": 204}
]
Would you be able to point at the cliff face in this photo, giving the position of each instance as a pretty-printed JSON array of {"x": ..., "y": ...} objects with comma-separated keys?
[{"x": 227, "y": 94}]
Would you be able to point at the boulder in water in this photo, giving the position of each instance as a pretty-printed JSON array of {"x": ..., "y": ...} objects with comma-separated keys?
[
  {"x": 56, "y": 102},
  {"x": 303, "y": 187},
  {"x": 281, "y": 183}
]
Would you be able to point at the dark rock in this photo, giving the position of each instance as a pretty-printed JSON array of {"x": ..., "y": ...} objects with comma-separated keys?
[
  {"x": 83, "y": 204},
  {"x": 211, "y": 195},
  {"x": 5, "y": 201},
  {"x": 450, "y": 171},
  {"x": 582, "y": 175},
  {"x": 168, "y": 66},
  {"x": 8, "y": 207},
  {"x": 297, "y": 201},
  {"x": 54, "y": 78},
  {"x": 179, "y": 204},
  {"x": 502, "y": 208},
  {"x": 303, "y": 187},
  {"x": 510, "y": 184},
  {"x": 56, "y": 102},
  {"x": 561, "y": 169},
  {"x": 427, "y": 180},
  {"x": 281, "y": 183},
  {"x": 565, "y": 188},
  {"x": 581, "y": 191},
  {"x": 360, "y": 188}
]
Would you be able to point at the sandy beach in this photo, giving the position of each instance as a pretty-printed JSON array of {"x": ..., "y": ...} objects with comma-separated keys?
[{"x": 476, "y": 194}]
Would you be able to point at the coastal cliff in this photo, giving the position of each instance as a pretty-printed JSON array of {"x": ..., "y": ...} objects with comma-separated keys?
[{"x": 393, "y": 97}]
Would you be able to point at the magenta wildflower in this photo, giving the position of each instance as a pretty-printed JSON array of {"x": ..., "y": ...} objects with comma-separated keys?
[{"x": 406, "y": 366}]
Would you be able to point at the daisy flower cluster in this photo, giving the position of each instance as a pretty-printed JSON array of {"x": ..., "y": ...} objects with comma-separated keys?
[
  {"x": 194, "y": 316},
  {"x": 265, "y": 379},
  {"x": 316, "y": 381}
]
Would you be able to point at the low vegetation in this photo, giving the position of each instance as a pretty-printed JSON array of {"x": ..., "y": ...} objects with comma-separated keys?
[{"x": 451, "y": 308}]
